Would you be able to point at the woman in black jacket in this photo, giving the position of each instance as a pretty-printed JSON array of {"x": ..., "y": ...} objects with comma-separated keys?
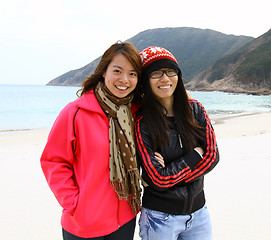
[{"x": 177, "y": 147}]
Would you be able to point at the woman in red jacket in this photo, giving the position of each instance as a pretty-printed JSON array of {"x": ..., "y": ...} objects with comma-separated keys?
[{"x": 89, "y": 160}]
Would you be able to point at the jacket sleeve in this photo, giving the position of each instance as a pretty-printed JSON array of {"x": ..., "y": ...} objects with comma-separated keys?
[
  {"x": 57, "y": 161},
  {"x": 211, "y": 155},
  {"x": 153, "y": 173}
]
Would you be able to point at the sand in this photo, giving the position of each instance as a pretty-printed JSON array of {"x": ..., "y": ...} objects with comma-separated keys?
[{"x": 237, "y": 190}]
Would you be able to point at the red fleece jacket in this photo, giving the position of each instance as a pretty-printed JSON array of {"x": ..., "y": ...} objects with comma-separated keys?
[{"x": 75, "y": 162}]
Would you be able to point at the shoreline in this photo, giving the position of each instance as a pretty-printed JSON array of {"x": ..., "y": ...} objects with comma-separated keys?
[
  {"x": 237, "y": 190},
  {"x": 215, "y": 120},
  {"x": 16, "y": 130},
  {"x": 221, "y": 118}
]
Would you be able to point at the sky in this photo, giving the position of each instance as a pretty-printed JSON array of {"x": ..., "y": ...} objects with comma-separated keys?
[{"x": 41, "y": 40}]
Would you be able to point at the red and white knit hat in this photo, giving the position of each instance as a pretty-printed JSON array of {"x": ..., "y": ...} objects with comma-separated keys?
[{"x": 155, "y": 58}]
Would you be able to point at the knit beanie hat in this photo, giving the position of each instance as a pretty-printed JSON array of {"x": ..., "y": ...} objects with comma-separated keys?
[{"x": 155, "y": 58}]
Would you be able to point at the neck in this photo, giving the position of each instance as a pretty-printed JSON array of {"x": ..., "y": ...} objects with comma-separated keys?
[{"x": 168, "y": 104}]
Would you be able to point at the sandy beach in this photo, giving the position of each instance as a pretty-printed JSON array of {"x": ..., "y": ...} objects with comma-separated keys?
[{"x": 237, "y": 190}]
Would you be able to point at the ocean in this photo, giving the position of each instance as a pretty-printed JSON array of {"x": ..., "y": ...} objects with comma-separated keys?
[{"x": 36, "y": 106}]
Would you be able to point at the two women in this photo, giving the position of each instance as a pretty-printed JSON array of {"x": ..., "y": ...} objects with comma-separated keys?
[
  {"x": 89, "y": 160},
  {"x": 177, "y": 147}
]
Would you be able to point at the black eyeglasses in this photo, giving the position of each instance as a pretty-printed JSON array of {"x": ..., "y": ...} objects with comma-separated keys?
[{"x": 160, "y": 73}]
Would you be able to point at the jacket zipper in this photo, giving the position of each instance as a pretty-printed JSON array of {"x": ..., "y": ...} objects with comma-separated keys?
[
  {"x": 189, "y": 201},
  {"x": 180, "y": 141}
]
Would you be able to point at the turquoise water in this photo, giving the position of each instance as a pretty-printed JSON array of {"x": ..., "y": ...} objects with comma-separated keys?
[
  {"x": 220, "y": 103},
  {"x": 34, "y": 106}
]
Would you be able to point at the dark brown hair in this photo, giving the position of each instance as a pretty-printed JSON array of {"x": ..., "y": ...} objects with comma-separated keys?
[
  {"x": 155, "y": 118},
  {"x": 125, "y": 48}
]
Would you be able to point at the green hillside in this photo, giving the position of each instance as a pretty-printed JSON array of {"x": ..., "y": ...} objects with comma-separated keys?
[
  {"x": 195, "y": 50},
  {"x": 257, "y": 63}
]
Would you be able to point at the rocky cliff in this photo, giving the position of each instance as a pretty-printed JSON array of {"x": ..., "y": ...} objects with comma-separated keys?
[{"x": 247, "y": 70}]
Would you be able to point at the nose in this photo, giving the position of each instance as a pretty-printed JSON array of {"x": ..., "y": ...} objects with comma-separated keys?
[
  {"x": 124, "y": 78},
  {"x": 164, "y": 78}
]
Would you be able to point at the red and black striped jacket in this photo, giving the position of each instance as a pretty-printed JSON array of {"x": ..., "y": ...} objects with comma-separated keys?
[{"x": 178, "y": 187}]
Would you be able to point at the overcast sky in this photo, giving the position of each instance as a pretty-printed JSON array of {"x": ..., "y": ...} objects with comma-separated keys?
[{"x": 40, "y": 40}]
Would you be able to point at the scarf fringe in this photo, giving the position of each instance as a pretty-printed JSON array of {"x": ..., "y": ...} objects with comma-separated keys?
[
  {"x": 130, "y": 191},
  {"x": 136, "y": 172},
  {"x": 134, "y": 201},
  {"x": 135, "y": 204},
  {"x": 120, "y": 189}
]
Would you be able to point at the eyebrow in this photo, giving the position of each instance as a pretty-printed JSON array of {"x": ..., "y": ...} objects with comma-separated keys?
[{"x": 117, "y": 66}]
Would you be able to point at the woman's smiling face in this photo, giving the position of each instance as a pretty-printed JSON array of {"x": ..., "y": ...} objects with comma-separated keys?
[
  {"x": 120, "y": 76},
  {"x": 164, "y": 87}
]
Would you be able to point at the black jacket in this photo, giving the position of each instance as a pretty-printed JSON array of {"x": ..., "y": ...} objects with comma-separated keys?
[{"x": 178, "y": 188}]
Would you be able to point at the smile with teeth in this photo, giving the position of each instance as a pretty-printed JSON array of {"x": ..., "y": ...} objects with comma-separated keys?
[
  {"x": 164, "y": 87},
  {"x": 122, "y": 87}
]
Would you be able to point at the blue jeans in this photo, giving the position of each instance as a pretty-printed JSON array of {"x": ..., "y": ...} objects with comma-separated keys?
[{"x": 156, "y": 225}]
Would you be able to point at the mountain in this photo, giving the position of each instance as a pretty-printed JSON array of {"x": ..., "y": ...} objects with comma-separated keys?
[
  {"x": 246, "y": 70},
  {"x": 195, "y": 50}
]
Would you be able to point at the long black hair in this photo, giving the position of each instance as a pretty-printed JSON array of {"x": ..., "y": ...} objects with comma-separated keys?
[{"x": 156, "y": 121}]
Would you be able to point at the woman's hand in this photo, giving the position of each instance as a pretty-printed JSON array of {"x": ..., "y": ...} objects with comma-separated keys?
[{"x": 160, "y": 159}]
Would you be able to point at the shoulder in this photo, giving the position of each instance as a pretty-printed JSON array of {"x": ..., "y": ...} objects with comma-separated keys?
[
  {"x": 140, "y": 124},
  {"x": 80, "y": 102},
  {"x": 196, "y": 106},
  {"x": 87, "y": 102},
  {"x": 135, "y": 108},
  {"x": 66, "y": 115},
  {"x": 70, "y": 107},
  {"x": 199, "y": 112}
]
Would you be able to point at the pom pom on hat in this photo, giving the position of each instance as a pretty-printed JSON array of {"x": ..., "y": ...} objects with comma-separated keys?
[{"x": 155, "y": 58}]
